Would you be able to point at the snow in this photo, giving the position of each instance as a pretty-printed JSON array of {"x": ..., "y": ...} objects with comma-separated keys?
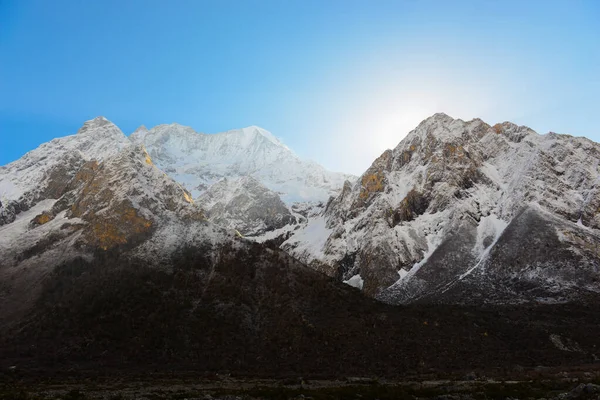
[
  {"x": 490, "y": 227},
  {"x": 402, "y": 272},
  {"x": 516, "y": 168},
  {"x": 492, "y": 172},
  {"x": 9, "y": 190},
  {"x": 355, "y": 281},
  {"x": 273, "y": 234},
  {"x": 509, "y": 167},
  {"x": 255, "y": 130},
  {"x": 309, "y": 242},
  {"x": 11, "y": 232}
]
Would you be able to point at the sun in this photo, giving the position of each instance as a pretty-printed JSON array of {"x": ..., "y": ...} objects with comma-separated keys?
[{"x": 391, "y": 128}]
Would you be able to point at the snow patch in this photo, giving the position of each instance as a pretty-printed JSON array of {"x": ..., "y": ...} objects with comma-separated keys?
[
  {"x": 355, "y": 281},
  {"x": 488, "y": 231},
  {"x": 308, "y": 243}
]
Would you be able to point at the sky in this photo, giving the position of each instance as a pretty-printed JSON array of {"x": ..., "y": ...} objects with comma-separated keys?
[{"x": 337, "y": 81}]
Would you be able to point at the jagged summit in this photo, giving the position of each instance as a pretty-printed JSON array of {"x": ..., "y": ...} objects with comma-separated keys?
[
  {"x": 98, "y": 125},
  {"x": 442, "y": 126},
  {"x": 138, "y": 135},
  {"x": 439, "y": 116}
]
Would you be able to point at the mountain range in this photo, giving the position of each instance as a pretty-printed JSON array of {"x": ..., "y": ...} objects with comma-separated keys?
[{"x": 174, "y": 249}]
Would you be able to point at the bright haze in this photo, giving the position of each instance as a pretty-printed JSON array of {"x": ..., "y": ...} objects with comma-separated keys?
[{"x": 337, "y": 81}]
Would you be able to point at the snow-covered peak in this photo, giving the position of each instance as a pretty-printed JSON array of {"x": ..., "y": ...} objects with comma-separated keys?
[
  {"x": 198, "y": 160},
  {"x": 141, "y": 129},
  {"x": 437, "y": 117},
  {"x": 443, "y": 128},
  {"x": 42, "y": 172},
  {"x": 131, "y": 178},
  {"x": 252, "y": 131}
]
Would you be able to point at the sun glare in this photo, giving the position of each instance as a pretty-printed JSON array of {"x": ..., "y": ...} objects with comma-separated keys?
[{"x": 390, "y": 129}]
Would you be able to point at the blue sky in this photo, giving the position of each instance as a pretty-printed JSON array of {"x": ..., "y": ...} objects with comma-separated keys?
[{"x": 337, "y": 81}]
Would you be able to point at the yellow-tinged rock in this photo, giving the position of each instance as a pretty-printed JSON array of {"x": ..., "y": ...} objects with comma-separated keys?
[{"x": 371, "y": 183}]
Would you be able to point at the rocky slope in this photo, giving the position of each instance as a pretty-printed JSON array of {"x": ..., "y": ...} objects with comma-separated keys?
[
  {"x": 245, "y": 205},
  {"x": 468, "y": 212}
]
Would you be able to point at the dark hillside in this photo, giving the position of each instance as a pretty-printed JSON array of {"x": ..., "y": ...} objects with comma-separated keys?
[{"x": 249, "y": 310}]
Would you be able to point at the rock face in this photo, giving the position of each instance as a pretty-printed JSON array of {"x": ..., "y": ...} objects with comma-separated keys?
[
  {"x": 199, "y": 160},
  {"x": 468, "y": 212},
  {"x": 245, "y": 205}
]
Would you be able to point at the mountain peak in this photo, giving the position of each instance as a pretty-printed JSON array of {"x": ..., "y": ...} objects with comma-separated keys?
[
  {"x": 438, "y": 117},
  {"x": 99, "y": 126},
  {"x": 141, "y": 129},
  {"x": 253, "y": 130}
]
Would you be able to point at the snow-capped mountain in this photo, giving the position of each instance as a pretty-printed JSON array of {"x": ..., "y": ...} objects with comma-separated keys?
[
  {"x": 465, "y": 211},
  {"x": 199, "y": 160}
]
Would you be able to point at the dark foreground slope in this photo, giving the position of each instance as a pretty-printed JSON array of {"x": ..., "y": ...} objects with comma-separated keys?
[{"x": 248, "y": 310}]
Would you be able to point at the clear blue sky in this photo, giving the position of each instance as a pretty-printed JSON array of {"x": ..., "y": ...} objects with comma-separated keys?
[{"x": 337, "y": 81}]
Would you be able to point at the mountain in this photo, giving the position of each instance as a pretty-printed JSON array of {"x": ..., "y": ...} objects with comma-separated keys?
[
  {"x": 199, "y": 160},
  {"x": 117, "y": 270},
  {"x": 467, "y": 212}
]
